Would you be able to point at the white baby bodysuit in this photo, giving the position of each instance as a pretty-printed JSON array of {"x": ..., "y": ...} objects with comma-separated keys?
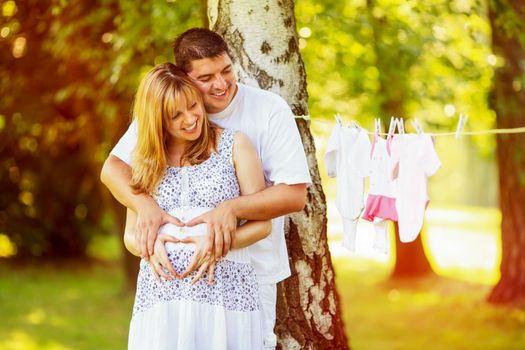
[
  {"x": 414, "y": 158},
  {"x": 347, "y": 157}
]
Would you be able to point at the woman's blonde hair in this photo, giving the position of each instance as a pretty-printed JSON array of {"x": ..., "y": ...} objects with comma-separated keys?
[{"x": 158, "y": 97}]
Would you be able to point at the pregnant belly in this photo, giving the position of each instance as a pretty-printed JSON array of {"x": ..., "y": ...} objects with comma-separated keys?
[{"x": 185, "y": 215}]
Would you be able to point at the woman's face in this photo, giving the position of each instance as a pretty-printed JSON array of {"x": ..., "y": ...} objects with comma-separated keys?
[{"x": 185, "y": 125}]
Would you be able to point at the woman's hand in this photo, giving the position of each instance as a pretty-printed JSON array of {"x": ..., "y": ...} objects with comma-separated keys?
[
  {"x": 159, "y": 261},
  {"x": 203, "y": 260}
]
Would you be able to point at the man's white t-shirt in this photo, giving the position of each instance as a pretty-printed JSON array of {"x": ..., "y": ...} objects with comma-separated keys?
[{"x": 269, "y": 123}]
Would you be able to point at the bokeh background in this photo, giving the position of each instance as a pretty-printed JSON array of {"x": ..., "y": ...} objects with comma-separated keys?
[{"x": 68, "y": 73}]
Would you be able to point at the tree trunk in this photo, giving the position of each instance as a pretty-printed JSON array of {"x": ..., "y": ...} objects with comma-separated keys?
[
  {"x": 411, "y": 261},
  {"x": 263, "y": 42},
  {"x": 507, "y": 98}
]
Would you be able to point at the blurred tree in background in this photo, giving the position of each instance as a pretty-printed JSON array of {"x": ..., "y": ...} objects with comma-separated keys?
[
  {"x": 55, "y": 102},
  {"x": 68, "y": 74},
  {"x": 508, "y": 100}
]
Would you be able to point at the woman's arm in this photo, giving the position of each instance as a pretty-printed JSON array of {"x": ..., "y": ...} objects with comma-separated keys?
[
  {"x": 251, "y": 180},
  {"x": 251, "y": 232}
]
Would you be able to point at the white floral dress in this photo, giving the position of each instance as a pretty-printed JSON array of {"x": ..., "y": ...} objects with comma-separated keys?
[{"x": 175, "y": 314}]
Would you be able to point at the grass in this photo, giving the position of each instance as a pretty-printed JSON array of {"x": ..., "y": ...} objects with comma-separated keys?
[
  {"x": 432, "y": 313},
  {"x": 79, "y": 306},
  {"x": 66, "y": 307}
]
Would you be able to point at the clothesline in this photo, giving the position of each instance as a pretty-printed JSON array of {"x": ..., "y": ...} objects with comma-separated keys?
[{"x": 453, "y": 133}]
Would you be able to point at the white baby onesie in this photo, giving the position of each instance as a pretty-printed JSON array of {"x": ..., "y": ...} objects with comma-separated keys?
[
  {"x": 414, "y": 158},
  {"x": 347, "y": 157}
]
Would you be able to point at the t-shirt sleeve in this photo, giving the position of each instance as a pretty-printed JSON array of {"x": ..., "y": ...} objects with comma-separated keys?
[
  {"x": 330, "y": 157},
  {"x": 282, "y": 151},
  {"x": 125, "y": 146},
  {"x": 431, "y": 160}
]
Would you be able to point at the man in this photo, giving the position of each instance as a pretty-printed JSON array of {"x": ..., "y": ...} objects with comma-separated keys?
[{"x": 268, "y": 121}]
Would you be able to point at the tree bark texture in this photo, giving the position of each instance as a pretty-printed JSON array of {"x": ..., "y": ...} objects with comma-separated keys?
[
  {"x": 264, "y": 46},
  {"x": 411, "y": 261},
  {"x": 507, "y": 98}
]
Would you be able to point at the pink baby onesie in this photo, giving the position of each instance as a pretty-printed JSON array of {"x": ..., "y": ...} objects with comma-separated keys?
[
  {"x": 381, "y": 202},
  {"x": 347, "y": 158},
  {"x": 414, "y": 158}
]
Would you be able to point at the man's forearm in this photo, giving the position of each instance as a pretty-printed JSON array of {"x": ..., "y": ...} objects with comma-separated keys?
[
  {"x": 116, "y": 175},
  {"x": 270, "y": 203}
]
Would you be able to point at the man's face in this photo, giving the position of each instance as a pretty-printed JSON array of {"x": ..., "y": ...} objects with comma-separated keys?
[{"x": 215, "y": 79}]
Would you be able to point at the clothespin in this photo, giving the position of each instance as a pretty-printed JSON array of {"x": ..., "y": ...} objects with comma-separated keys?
[
  {"x": 417, "y": 126},
  {"x": 338, "y": 119},
  {"x": 461, "y": 124},
  {"x": 355, "y": 124},
  {"x": 377, "y": 126},
  {"x": 392, "y": 126},
  {"x": 400, "y": 125}
]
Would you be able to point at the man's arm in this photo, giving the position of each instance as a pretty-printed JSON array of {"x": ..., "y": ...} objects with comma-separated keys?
[
  {"x": 116, "y": 175},
  {"x": 270, "y": 203}
]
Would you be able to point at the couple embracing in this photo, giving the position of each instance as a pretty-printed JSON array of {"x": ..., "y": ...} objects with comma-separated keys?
[{"x": 207, "y": 169}]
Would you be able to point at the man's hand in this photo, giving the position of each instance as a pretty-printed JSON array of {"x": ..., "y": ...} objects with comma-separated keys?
[
  {"x": 150, "y": 217},
  {"x": 202, "y": 258},
  {"x": 222, "y": 224},
  {"x": 159, "y": 261}
]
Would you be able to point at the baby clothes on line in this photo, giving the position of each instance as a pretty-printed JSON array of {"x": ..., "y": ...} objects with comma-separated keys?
[
  {"x": 347, "y": 158},
  {"x": 381, "y": 194},
  {"x": 381, "y": 201},
  {"x": 413, "y": 160}
]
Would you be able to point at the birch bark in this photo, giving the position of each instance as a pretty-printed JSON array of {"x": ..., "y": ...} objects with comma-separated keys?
[{"x": 262, "y": 38}]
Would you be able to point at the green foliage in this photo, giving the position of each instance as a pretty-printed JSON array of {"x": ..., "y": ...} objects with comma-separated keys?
[
  {"x": 68, "y": 74},
  {"x": 429, "y": 60},
  {"x": 376, "y": 58},
  {"x": 49, "y": 164}
]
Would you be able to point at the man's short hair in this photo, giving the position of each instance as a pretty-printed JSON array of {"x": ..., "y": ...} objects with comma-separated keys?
[{"x": 195, "y": 44}]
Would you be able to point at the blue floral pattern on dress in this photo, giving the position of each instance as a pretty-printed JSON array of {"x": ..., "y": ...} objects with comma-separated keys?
[
  {"x": 234, "y": 287},
  {"x": 203, "y": 185},
  {"x": 210, "y": 182}
]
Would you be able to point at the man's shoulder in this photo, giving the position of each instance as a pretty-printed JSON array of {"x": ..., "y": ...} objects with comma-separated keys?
[{"x": 263, "y": 97}]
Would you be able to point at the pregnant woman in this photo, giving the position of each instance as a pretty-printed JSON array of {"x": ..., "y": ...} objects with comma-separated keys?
[{"x": 190, "y": 166}]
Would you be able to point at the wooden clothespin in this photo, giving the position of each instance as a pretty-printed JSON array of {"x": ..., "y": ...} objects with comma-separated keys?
[{"x": 461, "y": 124}]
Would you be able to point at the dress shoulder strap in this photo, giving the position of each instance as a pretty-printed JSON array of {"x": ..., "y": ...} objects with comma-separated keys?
[{"x": 225, "y": 147}]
